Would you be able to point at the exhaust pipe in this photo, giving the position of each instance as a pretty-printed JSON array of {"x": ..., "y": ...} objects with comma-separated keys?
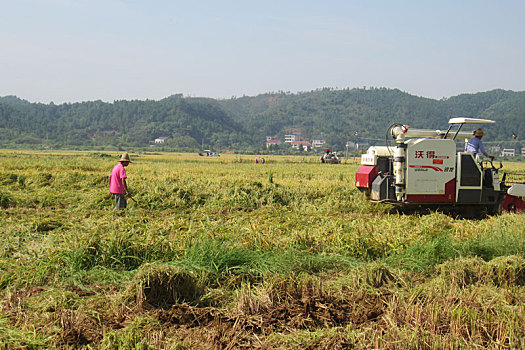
[{"x": 398, "y": 132}]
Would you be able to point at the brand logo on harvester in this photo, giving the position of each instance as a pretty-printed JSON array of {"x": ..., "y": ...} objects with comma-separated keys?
[{"x": 430, "y": 155}]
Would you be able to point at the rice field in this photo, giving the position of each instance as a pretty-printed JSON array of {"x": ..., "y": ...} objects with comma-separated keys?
[{"x": 222, "y": 253}]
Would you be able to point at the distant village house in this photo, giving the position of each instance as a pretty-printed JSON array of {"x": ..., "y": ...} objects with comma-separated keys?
[
  {"x": 289, "y": 138},
  {"x": 318, "y": 143},
  {"x": 160, "y": 140},
  {"x": 301, "y": 144},
  {"x": 293, "y": 135},
  {"x": 272, "y": 142},
  {"x": 508, "y": 152},
  {"x": 294, "y": 138}
]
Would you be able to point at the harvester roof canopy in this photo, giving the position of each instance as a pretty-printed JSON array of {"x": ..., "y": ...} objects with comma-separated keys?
[{"x": 470, "y": 121}]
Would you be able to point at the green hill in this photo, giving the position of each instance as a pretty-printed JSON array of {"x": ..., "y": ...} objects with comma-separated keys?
[{"x": 241, "y": 124}]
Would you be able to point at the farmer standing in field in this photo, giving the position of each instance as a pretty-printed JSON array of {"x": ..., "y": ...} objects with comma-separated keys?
[{"x": 117, "y": 182}]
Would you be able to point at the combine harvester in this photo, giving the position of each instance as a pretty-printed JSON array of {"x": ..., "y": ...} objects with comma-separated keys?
[
  {"x": 330, "y": 157},
  {"x": 424, "y": 171}
]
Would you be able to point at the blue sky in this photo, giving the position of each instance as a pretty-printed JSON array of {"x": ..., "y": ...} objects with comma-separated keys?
[{"x": 70, "y": 51}]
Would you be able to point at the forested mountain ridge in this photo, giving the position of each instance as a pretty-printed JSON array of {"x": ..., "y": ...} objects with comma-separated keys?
[
  {"x": 336, "y": 114},
  {"x": 241, "y": 124},
  {"x": 121, "y": 124}
]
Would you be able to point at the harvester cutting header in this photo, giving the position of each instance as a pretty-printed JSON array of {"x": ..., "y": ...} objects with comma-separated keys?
[{"x": 423, "y": 169}]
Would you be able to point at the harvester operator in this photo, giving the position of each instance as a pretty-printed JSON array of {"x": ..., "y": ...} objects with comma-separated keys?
[{"x": 475, "y": 145}]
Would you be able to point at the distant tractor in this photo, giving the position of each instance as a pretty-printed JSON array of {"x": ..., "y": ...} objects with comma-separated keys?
[
  {"x": 424, "y": 170},
  {"x": 209, "y": 153},
  {"x": 330, "y": 157}
]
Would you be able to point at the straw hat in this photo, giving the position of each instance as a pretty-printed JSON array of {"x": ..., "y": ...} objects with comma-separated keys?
[
  {"x": 125, "y": 157},
  {"x": 479, "y": 132}
]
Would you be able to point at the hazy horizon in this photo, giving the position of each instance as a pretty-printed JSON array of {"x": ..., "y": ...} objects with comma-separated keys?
[{"x": 241, "y": 96}]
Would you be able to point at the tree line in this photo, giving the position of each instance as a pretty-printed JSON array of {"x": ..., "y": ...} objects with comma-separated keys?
[{"x": 242, "y": 124}]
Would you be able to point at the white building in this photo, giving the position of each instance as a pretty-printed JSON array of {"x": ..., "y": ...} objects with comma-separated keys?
[
  {"x": 508, "y": 152},
  {"x": 160, "y": 140},
  {"x": 293, "y": 135},
  {"x": 301, "y": 144},
  {"x": 318, "y": 143},
  {"x": 292, "y": 138}
]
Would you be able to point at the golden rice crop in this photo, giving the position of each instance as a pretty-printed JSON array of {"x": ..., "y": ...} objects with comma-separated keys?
[{"x": 222, "y": 252}]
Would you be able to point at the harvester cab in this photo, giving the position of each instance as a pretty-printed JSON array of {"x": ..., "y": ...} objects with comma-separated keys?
[{"x": 425, "y": 169}]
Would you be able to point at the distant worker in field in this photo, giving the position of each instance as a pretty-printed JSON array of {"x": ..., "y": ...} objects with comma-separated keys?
[
  {"x": 475, "y": 145},
  {"x": 117, "y": 182}
]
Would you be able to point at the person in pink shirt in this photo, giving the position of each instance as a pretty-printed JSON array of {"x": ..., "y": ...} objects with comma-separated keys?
[{"x": 117, "y": 182}]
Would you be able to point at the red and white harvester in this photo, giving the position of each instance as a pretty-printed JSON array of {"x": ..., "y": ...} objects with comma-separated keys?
[{"x": 424, "y": 170}]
